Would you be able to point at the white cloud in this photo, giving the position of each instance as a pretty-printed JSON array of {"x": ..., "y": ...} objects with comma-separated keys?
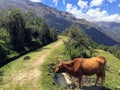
[
  {"x": 36, "y": 0},
  {"x": 97, "y": 14},
  {"x": 82, "y": 4},
  {"x": 56, "y": 2},
  {"x": 96, "y": 3},
  {"x": 111, "y": 1},
  {"x": 74, "y": 10},
  {"x": 92, "y": 14},
  {"x": 118, "y": 5},
  {"x": 63, "y": 2},
  {"x": 69, "y": 7},
  {"x": 114, "y": 17}
]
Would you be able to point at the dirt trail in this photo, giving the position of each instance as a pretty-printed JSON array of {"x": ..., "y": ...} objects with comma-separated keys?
[{"x": 34, "y": 73}]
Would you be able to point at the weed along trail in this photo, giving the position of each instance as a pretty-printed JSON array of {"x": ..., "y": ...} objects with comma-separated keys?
[{"x": 28, "y": 77}]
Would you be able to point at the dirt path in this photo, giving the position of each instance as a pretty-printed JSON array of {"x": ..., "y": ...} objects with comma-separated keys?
[{"x": 34, "y": 73}]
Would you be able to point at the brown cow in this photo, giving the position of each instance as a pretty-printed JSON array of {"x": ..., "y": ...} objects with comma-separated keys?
[{"x": 81, "y": 66}]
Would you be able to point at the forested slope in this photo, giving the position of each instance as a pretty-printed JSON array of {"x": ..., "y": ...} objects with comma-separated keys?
[{"x": 22, "y": 32}]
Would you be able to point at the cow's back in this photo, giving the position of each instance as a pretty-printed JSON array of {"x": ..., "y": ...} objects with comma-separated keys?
[{"x": 93, "y": 65}]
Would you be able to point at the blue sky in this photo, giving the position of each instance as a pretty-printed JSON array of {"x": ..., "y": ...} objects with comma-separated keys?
[{"x": 92, "y": 10}]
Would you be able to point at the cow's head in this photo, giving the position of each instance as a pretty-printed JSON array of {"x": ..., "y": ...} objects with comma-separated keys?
[
  {"x": 63, "y": 67},
  {"x": 60, "y": 68}
]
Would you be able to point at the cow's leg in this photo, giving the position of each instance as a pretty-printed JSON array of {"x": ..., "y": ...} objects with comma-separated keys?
[
  {"x": 96, "y": 79},
  {"x": 103, "y": 78},
  {"x": 79, "y": 81}
]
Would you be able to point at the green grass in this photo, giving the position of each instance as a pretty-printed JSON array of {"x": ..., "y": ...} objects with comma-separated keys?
[
  {"x": 11, "y": 70},
  {"x": 47, "y": 80},
  {"x": 113, "y": 75}
]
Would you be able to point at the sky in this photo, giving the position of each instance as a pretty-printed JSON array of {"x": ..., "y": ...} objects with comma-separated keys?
[{"x": 92, "y": 10}]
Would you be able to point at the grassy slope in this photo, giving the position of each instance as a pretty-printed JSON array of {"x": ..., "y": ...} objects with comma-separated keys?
[
  {"x": 47, "y": 81},
  {"x": 17, "y": 68},
  {"x": 112, "y": 77}
]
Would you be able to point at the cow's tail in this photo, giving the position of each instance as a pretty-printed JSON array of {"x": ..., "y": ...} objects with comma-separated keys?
[
  {"x": 104, "y": 70},
  {"x": 104, "y": 62}
]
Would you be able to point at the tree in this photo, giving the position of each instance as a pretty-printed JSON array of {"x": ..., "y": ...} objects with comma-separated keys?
[
  {"x": 53, "y": 35},
  {"x": 79, "y": 44},
  {"x": 4, "y": 36},
  {"x": 115, "y": 50},
  {"x": 2, "y": 54},
  {"x": 22, "y": 33},
  {"x": 14, "y": 22},
  {"x": 41, "y": 33}
]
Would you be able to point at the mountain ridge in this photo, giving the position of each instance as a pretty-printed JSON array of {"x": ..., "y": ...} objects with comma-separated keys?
[
  {"x": 111, "y": 28},
  {"x": 59, "y": 20}
]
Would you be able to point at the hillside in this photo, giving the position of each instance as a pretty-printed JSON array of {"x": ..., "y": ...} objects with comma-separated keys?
[
  {"x": 37, "y": 72},
  {"x": 58, "y": 19},
  {"x": 112, "y": 29},
  {"x": 26, "y": 74}
]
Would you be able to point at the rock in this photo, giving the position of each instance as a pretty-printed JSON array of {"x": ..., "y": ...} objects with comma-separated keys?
[
  {"x": 26, "y": 58},
  {"x": 64, "y": 80}
]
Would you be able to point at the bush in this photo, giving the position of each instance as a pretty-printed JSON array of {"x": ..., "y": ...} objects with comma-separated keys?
[
  {"x": 2, "y": 54},
  {"x": 14, "y": 22},
  {"x": 79, "y": 44},
  {"x": 20, "y": 32}
]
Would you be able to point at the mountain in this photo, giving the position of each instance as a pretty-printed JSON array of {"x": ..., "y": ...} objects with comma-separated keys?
[
  {"x": 59, "y": 20},
  {"x": 112, "y": 29},
  {"x": 51, "y": 15}
]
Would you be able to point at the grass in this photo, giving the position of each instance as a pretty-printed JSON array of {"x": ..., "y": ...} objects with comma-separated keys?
[
  {"x": 14, "y": 68},
  {"x": 113, "y": 75},
  {"x": 11, "y": 70},
  {"x": 46, "y": 82}
]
